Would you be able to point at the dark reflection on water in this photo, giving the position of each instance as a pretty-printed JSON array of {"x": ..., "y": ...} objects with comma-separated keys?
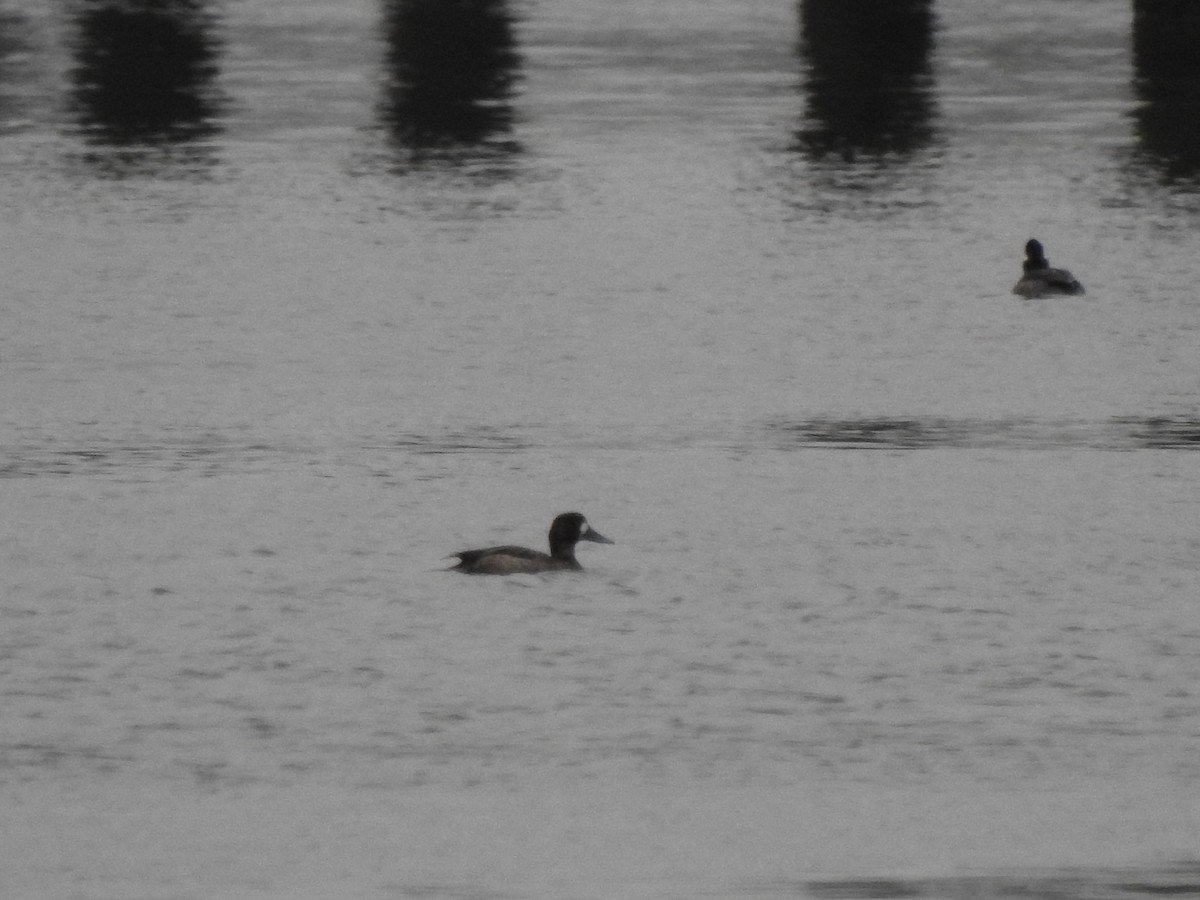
[
  {"x": 212, "y": 454},
  {"x": 1166, "y": 60},
  {"x": 143, "y": 82},
  {"x": 13, "y": 48},
  {"x": 1118, "y": 433},
  {"x": 1175, "y": 880},
  {"x": 208, "y": 455},
  {"x": 868, "y": 84},
  {"x": 481, "y": 439},
  {"x": 452, "y": 68}
]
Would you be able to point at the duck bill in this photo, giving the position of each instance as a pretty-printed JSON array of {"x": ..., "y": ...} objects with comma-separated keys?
[{"x": 593, "y": 535}]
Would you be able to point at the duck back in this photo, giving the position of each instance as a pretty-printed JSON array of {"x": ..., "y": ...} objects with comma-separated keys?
[{"x": 510, "y": 560}]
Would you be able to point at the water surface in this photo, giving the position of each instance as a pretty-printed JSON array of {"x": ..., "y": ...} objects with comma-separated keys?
[{"x": 903, "y": 597}]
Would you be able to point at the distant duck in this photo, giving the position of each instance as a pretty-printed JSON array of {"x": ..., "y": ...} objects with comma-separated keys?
[
  {"x": 565, "y": 532},
  {"x": 1040, "y": 280}
]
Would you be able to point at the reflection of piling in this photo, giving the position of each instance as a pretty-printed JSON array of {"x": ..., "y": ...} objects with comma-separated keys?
[
  {"x": 144, "y": 71},
  {"x": 452, "y": 66},
  {"x": 14, "y": 47},
  {"x": 1166, "y": 60},
  {"x": 868, "y": 76}
]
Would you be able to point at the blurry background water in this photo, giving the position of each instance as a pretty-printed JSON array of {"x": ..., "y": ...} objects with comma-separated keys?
[{"x": 302, "y": 296}]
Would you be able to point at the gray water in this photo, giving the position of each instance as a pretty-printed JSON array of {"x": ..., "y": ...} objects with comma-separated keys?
[{"x": 903, "y": 599}]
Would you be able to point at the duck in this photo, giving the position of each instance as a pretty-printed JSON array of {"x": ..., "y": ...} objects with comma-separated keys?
[
  {"x": 1039, "y": 280},
  {"x": 566, "y": 531}
]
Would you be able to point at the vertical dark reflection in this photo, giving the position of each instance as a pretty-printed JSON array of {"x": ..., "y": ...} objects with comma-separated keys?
[
  {"x": 868, "y": 84},
  {"x": 13, "y": 48},
  {"x": 1166, "y": 62},
  {"x": 144, "y": 76},
  {"x": 452, "y": 69}
]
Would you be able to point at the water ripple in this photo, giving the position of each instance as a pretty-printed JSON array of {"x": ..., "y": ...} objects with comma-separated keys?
[
  {"x": 215, "y": 454},
  {"x": 1181, "y": 879},
  {"x": 887, "y": 433}
]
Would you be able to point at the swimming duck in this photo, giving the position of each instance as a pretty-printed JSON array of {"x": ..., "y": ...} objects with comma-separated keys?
[
  {"x": 565, "y": 532},
  {"x": 1039, "y": 279}
]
